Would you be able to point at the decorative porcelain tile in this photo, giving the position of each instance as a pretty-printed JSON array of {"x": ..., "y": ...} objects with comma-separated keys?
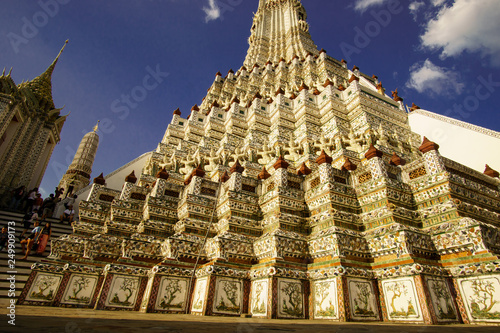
[
  {"x": 481, "y": 295},
  {"x": 228, "y": 296},
  {"x": 80, "y": 289},
  {"x": 401, "y": 300},
  {"x": 325, "y": 299},
  {"x": 362, "y": 300},
  {"x": 172, "y": 294},
  {"x": 259, "y": 300},
  {"x": 290, "y": 299},
  {"x": 123, "y": 292},
  {"x": 44, "y": 288},
  {"x": 200, "y": 291},
  {"x": 442, "y": 300}
]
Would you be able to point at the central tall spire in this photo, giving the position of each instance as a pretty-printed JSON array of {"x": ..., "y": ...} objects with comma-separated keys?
[{"x": 279, "y": 30}]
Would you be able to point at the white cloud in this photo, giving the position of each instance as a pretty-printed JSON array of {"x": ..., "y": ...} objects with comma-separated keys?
[
  {"x": 466, "y": 25},
  {"x": 415, "y": 7},
  {"x": 438, "y": 3},
  {"x": 362, "y": 5},
  {"x": 429, "y": 78},
  {"x": 212, "y": 12}
]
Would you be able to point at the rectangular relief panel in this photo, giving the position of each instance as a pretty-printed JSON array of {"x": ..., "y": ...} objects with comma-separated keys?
[
  {"x": 401, "y": 300},
  {"x": 259, "y": 303},
  {"x": 80, "y": 289},
  {"x": 325, "y": 300},
  {"x": 172, "y": 294},
  {"x": 481, "y": 295},
  {"x": 123, "y": 292},
  {"x": 362, "y": 300},
  {"x": 228, "y": 296}
]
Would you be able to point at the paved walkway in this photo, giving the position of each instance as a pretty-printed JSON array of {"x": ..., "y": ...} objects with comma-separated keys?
[{"x": 45, "y": 319}]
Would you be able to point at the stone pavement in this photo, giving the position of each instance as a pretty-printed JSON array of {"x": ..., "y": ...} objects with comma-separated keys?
[{"x": 55, "y": 320}]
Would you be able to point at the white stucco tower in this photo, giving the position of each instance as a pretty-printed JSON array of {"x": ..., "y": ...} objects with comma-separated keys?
[{"x": 78, "y": 174}]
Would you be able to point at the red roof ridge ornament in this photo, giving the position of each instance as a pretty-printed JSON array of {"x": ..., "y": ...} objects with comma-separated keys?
[
  {"x": 427, "y": 146},
  {"x": 198, "y": 172},
  {"x": 263, "y": 175},
  {"x": 322, "y": 51},
  {"x": 348, "y": 165},
  {"x": 324, "y": 158},
  {"x": 237, "y": 167},
  {"x": 195, "y": 108},
  {"x": 353, "y": 78},
  {"x": 303, "y": 86},
  {"x": 304, "y": 170},
  {"x": 100, "y": 180},
  {"x": 373, "y": 152},
  {"x": 396, "y": 160},
  {"x": 327, "y": 83},
  {"x": 131, "y": 178},
  {"x": 490, "y": 172},
  {"x": 177, "y": 112},
  {"x": 281, "y": 163},
  {"x": 279, "y": 92},
  {"x": 341, "y": 87},
  {"x": 225, "y": 177},
  {"x": 162, "y": 174},
  {"x": 355, "y": 68},
  {"x": 414, "y": 107},
  {"x": 395, "y": 96}
]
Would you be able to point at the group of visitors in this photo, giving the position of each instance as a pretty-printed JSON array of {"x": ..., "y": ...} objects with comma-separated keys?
[
  {"x": 27, "y": 201},
  {"x": 36, "y": 210},
  {"x": 36, "y": 240}
]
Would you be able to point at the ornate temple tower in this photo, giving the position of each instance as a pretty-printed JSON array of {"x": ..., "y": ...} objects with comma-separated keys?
[
  {"x": 30, "y": 127},
  {"x": 279, "y": 31},
  {"x": 78, "y": 174},
  {"x": 297, "y": 189}
]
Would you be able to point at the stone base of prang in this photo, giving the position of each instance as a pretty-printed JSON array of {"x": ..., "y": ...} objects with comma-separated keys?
[{"x": 412, "y": 293}]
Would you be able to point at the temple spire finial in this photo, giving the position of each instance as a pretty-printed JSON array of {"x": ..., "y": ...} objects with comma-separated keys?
[
  {"x": 41, "y": 86},
  {"x": 53, "y": 65},
  {"x": 96, "y": 127}
]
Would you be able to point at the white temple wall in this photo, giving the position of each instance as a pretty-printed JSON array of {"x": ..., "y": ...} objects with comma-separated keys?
[{"x": 467, "y": 144}]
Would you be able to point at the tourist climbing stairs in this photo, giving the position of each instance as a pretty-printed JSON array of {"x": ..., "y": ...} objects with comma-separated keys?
[{"x": 23, "y": 267}]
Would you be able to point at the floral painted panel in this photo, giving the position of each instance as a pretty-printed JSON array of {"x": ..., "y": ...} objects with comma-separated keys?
[
  {"x": 325, "y": 299},
  {"x": 200, "y": 291},
  {"x": 172, "y": 294},
  {"x": 123, "y": 291},
  {"x": 228, "y": 296},
  {"x": 80, "y": 290},
  {"x": 362, "y": 300},
  {"x": 290, "y": 299},
  {"x": 401, "y": 300},
  {"x": 44, "y": 288},
  {"x": 482, "y": 297},
  {"x": 260, "y": 289},
  {"x": 442, "y": 300}
]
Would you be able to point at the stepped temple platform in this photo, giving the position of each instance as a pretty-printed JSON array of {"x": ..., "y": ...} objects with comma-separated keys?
[{"x": 296, "y": 190}]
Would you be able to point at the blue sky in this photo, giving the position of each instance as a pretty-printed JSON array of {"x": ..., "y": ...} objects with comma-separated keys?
[{"x": 443, "y": 55}]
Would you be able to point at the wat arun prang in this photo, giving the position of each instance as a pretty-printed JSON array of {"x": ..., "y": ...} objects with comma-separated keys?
[{"x": 298, "y": 190}]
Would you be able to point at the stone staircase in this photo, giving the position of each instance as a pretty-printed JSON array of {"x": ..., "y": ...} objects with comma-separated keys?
[{"x": 23, "y": 267}]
